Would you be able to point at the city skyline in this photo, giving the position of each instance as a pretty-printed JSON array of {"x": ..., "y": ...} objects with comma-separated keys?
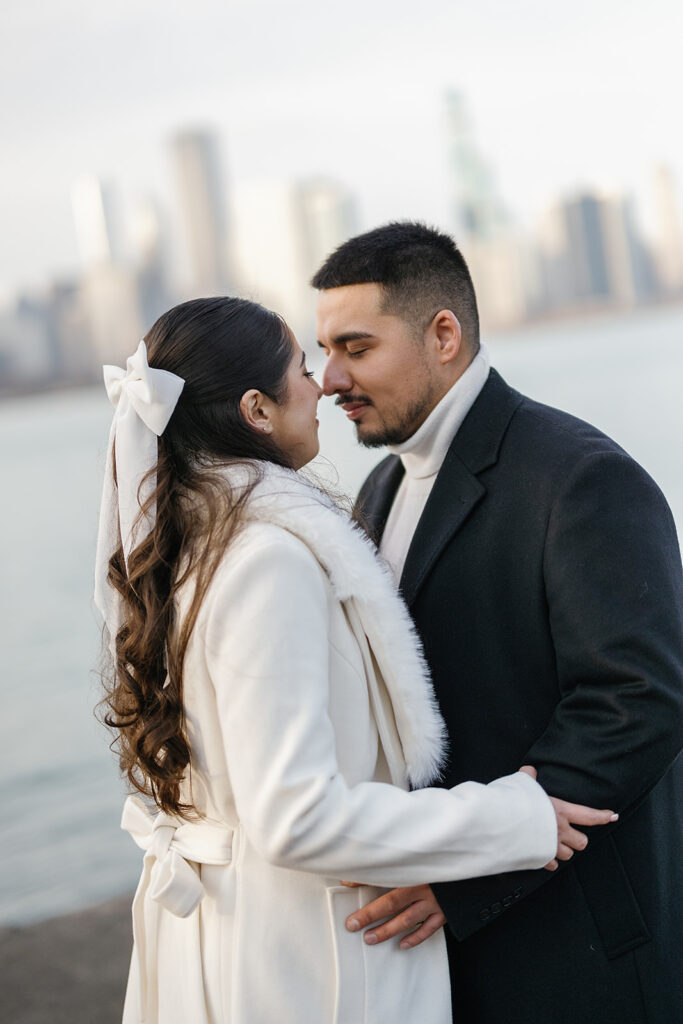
[
  {"x": 265, "y": 238},
  {"x": 589, "y": 99}
]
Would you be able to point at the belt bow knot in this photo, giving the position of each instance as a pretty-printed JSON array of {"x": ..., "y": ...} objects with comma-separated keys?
[{"x": 172, "y": 849}]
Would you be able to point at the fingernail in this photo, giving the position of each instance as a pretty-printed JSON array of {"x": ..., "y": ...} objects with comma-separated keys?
[
  {"x": 352, "y": 924},
  {"x": 370, "y": 938},
  {"x": 614, "y": 817},
  {"x": 405, "y": 945}
]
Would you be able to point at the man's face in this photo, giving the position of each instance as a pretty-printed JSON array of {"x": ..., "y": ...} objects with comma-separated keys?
[{"x": 385, "y": 378}]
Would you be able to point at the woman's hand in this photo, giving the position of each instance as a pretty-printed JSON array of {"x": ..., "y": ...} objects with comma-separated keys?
[{"x": 570, "y": 839}]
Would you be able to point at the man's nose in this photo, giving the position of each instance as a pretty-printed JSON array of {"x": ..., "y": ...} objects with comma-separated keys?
[{"x": 335, "y": 380}]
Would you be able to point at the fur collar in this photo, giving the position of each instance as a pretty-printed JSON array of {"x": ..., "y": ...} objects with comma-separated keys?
[{"x": 286, "y": 499}]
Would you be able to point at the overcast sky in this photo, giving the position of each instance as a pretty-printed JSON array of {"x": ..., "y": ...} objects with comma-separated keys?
[{"x": 561, "y": 95}]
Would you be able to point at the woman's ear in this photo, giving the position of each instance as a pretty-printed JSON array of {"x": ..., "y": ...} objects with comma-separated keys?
[{"x": 254, "y": 407}]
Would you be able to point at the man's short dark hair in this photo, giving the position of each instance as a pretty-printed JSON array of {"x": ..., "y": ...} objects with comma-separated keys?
[{"x": 419, "y": 269}]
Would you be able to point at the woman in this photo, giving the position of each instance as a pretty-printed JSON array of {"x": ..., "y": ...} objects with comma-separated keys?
[{"x": 271, "y": 702}]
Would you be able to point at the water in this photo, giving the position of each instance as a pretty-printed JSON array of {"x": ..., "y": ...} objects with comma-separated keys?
[{"x": 60, "y": 846}]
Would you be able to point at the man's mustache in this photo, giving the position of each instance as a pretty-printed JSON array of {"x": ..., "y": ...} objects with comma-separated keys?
[{"x": 346, "y": 399}]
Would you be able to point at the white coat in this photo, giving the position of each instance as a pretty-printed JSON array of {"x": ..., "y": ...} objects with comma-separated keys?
[{"x": 310, "y": 715}]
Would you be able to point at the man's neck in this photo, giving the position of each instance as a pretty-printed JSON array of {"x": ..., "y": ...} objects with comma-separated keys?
[{"x": 423, "y": 452}]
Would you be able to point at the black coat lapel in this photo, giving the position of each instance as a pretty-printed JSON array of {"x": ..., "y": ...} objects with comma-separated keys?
[
  {"x": 457, "y": 489},
  {"x": 376, "y": 496},
  {"x": 455, "y": 493}
]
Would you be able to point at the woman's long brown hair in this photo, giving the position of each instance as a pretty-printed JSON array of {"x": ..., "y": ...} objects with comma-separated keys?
[{"x": 221, "y": 348}]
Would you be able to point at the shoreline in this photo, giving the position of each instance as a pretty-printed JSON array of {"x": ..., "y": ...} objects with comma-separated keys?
[{"x": 67, "y": 970}]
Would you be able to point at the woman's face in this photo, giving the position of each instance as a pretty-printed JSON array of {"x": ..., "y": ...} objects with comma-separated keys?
[{"x": 294, "y": 421}]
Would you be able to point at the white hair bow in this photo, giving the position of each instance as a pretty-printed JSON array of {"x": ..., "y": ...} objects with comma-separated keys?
[{"x": 144, "y": 399}]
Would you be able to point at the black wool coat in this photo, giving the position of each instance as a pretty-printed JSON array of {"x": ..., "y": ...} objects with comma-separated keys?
[{"x": 545, "y": 581}]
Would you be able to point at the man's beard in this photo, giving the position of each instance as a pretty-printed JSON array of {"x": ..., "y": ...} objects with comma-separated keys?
[{"x": 396, "y": 433}]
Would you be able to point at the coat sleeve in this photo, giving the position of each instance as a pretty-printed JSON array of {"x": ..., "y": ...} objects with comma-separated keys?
[
  {"x": 267, "y": 654},
  {"x": 615, "y": 598},
  {"x": 614, "y": 592}
]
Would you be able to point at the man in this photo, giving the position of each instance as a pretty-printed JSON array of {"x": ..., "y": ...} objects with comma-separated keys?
[{"x": 542, "y": 569}]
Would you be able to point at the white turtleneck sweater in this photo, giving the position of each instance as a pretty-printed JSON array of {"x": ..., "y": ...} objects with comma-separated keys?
[{"x": 422, "y": 456}]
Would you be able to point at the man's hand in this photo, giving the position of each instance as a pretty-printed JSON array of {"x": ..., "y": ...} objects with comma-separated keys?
[
  {"x": 413, "y": 909},
  {"x": 568, "y": 838}
]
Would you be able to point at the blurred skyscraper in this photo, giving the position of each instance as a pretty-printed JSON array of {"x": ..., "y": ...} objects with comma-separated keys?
[
  {"x": 108, "y": 291},
  {"x": 476, "y": 210},
  {"x": 69, "y": 330},
  {"x": 201, "y": 194},
  {"x": 668, "y": 241},
  {"x": 94, "y": 213},
  {"x": 283, "y": 232},
  {"x": 326, "y": 214},
  {"x": 148, "y": 239},
  {"x": 489, "y": 241},
  {"x": 26, "y": 351},
  {"x": 586, "y": 247},
  {"x": 631, "y": 272},
  {"x": 591, "y": 254}
]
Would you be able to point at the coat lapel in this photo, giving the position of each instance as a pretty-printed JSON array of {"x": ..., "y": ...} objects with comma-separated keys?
[
  {"x": 375, "y": 500},
  {"x": 457, "y": 489},
  {"x": 455, "y": 493}
]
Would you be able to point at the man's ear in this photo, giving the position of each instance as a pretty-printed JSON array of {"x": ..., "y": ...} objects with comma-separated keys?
[
  {"x": 254, "y": 406},
  {"x": 447, "y": 334}
]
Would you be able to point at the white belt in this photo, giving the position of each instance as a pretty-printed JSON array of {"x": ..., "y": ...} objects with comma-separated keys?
[{"x": 170, "y": 877}]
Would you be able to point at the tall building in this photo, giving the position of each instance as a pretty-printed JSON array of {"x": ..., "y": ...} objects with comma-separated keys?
[
  {"x": 284, "y": 231},
  {"x": 110, "y": 306},
  {"x": 668, "y": 241},
  {"x": 70, "y": 332},
  {"x": 326, "y": 214},
  {"x": 95, "y": 221},
  {"x": 201, "y": 195},
  {"x": 26, "y": 353},
  {"x": 489, "y": 241},
  {"x": 152, "y": 274},
  {"x": 591, "y": 254},
  {"x": 629, "y": 262},
  {"x": 587, "y": 248},
  {"x": 108, "y": 296},
  {"x": 555, "y": 289},
  {"x": 476, "y": 211}
]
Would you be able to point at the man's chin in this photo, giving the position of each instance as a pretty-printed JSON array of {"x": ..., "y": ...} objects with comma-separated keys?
[
  {"x": 371, "y": 441},
  {"x": 373, "y": 438},
  {"x": 384, "y": 434},
  {"x": 369, "y": 438}
]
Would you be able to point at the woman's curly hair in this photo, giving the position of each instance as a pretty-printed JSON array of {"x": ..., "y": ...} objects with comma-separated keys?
[{"x": 221, "y": 347}]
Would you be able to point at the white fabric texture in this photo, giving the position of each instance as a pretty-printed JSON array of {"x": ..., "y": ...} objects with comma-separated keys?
[
  {"x": 144, "y": 399},
  {"x": 305, "y": 696},
  {"x": 422, "y": 456}
]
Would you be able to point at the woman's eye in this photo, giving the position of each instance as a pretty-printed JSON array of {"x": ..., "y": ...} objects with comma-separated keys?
[{"x": 309, "y": 373}]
